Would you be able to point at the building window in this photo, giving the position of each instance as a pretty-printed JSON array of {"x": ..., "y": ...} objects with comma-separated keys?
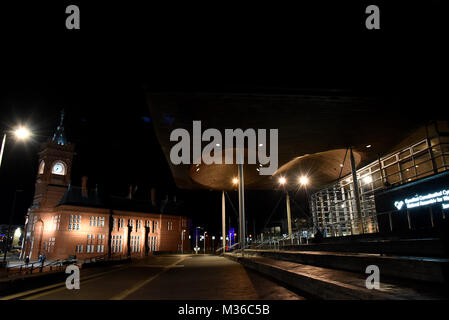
[
  {"x": 90, "y": 243},
  {"x": 170, "y": 225},
  {"x": 74, "y": 222},
  {"x": 51, "y": 244},
  {"x": 154, "y": 226},
  {"x": 96, "y": 221},
  {"x": 79, "y": 248},
  {"x": 135, "y": 243},
  {"x": 56, "y": 222},
  {"x": 41, "y": 167},
  {"x": 153, "y": 243},
  {"x": 138, "y": 224},
  {"x": 116, "y": 244},
  {"x": 121, "y": 223},
  {"x": 100, "y": 243}
]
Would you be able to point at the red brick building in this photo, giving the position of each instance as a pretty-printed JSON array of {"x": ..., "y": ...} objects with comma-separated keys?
[{"x": 64, "y": 220}]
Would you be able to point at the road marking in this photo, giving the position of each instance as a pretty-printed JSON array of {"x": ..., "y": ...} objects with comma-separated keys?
[
  {"x": 127, "y": 292},
  {"x": 53, "y": 286}
]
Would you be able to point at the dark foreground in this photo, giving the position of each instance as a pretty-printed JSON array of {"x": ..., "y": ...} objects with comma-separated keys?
[{"x": 183, "y": 277}]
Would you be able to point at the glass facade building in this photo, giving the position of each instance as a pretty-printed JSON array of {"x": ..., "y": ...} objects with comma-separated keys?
[{"x": 334, "y": 207}]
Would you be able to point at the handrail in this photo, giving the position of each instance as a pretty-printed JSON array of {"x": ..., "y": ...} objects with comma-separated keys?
[{"x": 230, "y": 247}]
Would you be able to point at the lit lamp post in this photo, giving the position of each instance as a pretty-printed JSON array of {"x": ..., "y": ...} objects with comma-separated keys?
[
  {"x": 182, "y": 241},
  {"x": 303, "y": 181},
  {"x": 205, "y": 232},
  {"x": 21, "y": 133},
  {"x": 196, "y": 240}
]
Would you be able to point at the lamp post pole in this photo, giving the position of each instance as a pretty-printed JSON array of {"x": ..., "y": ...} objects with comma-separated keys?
[
  {"x": 241, "y": 207},
  {"x": 196, "y": 239},
  {"x": 3, "y": 148},
  {"x": 205, "y": 232},
  {"x": 223, "y": 221},
  {"x": 289, "y": 219},
  {"x": 21, "y": 133},
  {"x": 182, "y": 241},
  {"x": 356, "y": 192}
]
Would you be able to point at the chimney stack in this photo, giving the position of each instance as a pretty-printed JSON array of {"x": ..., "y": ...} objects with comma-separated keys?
[
  {"x": 84, "y": 190},
  {"x": 130, "y": 195},
  {"x": 153, "y": 197}
]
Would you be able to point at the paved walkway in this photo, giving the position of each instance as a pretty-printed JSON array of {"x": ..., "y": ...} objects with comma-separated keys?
[{"x": 177, "y": 277}]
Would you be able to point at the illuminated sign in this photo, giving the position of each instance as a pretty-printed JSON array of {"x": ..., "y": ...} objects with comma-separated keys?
[{"x": 418, "y": 200}]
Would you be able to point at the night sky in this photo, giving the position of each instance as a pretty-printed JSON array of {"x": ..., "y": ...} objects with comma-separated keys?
[{"x": 98, "y": 75}]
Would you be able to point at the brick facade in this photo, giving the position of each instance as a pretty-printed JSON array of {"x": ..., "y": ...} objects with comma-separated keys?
[
  {"x": 86, "y": 228},
  {"x": 67, "y": 230}
]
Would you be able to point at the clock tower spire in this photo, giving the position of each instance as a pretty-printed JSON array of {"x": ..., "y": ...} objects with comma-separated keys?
[{"x": 55, "y": 164}]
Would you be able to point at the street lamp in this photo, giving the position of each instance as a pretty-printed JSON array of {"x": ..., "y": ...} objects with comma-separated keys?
[
  {"x": 21, "y": 133},
  {"x": 282, "y": 180},
  {"x": 303, "y": 180},
  {"x": 196, "y": 239},
  {"x": 205, "y": 232},
  {"x": 182, "y": 241}
]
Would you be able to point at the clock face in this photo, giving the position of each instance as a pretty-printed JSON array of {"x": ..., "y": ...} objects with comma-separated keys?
[{"x": 58, "y": 168}]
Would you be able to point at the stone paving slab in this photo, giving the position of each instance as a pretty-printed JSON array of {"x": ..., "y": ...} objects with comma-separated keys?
[
  {"x": 406, "y": 267},
  {"x": 325, "y": 283}
]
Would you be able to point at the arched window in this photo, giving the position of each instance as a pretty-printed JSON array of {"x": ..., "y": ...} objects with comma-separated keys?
[{"x": 41, "y": 167}]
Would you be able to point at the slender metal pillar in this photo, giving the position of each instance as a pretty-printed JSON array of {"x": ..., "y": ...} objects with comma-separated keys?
[
  {"x": 242, "y": 236},
  {"x": 289, "y": 218},
  {"x": 196, "y": 241},
  {"x": 356, "y": 192},
  {"x": 223, "y": 221},
  {"x": 2, "y": 149}
]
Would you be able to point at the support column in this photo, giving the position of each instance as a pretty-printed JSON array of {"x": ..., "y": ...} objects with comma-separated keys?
[
  {"x": 289, "y": 218},
  {"x": 356, "y": 193},
  {"x": 241, "y": 207},
  {"x": 223, "y": 221}
]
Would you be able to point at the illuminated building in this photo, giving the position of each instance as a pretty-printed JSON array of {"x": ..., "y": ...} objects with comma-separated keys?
[
  {"x": 417, "y": 166},
  {"x": 66, "y": 221}
]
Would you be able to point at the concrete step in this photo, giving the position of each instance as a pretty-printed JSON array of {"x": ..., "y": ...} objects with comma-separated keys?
[
  {"x": 429, "y": 247},
  {"x": 325, "y": 283},
  {"x": 404, "y": 267}
]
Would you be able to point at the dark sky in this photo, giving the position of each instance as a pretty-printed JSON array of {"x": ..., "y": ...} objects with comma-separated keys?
[{"x": 97, "y": 74}]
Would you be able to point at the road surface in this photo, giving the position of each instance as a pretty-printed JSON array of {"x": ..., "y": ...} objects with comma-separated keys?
[{"x": 177, "y": 277}]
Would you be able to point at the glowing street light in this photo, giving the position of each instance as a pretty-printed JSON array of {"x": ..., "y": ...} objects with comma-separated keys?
[
  {"x": 235, "y": 180},
  {"x": 303, "y": 180},
  {"x": 282, "y": 180},
  {"x": 22, "y": 133}
]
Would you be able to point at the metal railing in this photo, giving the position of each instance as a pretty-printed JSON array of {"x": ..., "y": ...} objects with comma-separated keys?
[{"x": 37, "y": 267}]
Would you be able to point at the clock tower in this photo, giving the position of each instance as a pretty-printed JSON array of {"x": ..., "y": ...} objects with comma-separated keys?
[{"x": 55, "y": 163}]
